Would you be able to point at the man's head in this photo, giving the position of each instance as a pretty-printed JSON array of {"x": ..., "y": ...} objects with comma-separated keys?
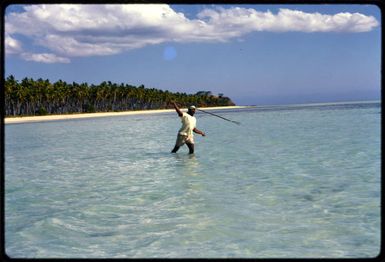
[{"x": 191, "y": 110}]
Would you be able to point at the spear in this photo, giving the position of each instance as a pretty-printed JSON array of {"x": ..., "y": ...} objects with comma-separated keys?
[{"x": 218, "y": 116}]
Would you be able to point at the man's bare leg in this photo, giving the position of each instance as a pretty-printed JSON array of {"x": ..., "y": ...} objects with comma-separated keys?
[
  {"x": 176, "y": 148},
  {"x": 191, "y": 148}
]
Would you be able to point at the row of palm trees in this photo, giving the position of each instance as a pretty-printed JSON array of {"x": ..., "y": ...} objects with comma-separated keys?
[{"x": 40, "y": 97}]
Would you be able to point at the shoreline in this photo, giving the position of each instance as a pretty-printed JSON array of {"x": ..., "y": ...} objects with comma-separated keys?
[{"x": 29, "y": 119}]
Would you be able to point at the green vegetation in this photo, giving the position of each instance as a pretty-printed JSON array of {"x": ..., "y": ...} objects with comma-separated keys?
[{"x": 40, "y": 97}]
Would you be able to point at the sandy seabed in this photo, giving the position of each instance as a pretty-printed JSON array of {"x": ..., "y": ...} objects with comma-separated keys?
[{"x": 26, "y": 119}]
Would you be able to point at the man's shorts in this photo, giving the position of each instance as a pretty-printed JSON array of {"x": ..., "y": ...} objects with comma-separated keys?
[{"x": 182, "y": 139}]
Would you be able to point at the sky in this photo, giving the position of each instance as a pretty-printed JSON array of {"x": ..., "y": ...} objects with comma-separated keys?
[{"x": 254, "y": 54}]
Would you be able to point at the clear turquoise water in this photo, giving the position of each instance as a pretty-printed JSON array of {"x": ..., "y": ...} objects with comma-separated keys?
[{"x": 290, "y": 182}]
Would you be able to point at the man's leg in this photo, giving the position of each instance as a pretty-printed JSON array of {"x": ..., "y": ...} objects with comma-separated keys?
[
  {"x": 176, "y": 148},
  {"x": 180, "y": 141},
  {"x": 190, "y": 148}
]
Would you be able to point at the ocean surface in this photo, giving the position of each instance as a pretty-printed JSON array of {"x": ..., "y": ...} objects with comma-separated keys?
[{"x": 300, "y": 181}]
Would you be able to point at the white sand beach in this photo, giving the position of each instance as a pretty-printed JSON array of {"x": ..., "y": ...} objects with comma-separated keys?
[{"x": 26, "y": 119}]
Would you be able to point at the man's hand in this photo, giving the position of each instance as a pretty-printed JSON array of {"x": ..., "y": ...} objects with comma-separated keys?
[{"x": 196, "y": 130}]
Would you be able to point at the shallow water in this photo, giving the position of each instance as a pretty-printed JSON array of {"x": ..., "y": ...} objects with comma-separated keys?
[{"x": 289, "y": 182}]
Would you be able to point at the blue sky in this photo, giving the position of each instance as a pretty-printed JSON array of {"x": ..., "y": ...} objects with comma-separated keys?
[{"x": 255, "y": 54}]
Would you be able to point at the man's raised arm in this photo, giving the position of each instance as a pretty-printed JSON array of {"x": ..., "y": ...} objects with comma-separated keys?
[{"x": 180, "y": 113}]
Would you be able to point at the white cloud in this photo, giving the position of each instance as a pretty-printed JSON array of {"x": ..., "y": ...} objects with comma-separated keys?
[
  {"x": 249, "y": 20},
  {"x": 12, "y": 46},
  {"x": 88, "y": 30},
  {"x": 44, "y": 58}
]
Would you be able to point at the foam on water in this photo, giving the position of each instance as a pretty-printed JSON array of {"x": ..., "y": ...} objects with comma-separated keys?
[{"x": 290, "y": 182}]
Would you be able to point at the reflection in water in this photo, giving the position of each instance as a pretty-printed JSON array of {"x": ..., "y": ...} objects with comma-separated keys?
[
  {"x": 196, "y": 208},
  {"x": 189, "y": 164}
]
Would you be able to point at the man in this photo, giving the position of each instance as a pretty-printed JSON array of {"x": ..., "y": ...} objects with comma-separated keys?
[{"x": 185, "y": 134}]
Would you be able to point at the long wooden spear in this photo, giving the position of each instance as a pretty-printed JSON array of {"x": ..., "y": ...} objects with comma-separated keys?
[{"x": 238, "y": 123}]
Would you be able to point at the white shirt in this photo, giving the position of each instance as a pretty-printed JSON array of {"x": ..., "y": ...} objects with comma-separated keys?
[{"x": 188, "y": 124}]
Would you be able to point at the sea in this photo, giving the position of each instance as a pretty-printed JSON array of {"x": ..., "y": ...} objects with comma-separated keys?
[{"x": 295, "y": 181}]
